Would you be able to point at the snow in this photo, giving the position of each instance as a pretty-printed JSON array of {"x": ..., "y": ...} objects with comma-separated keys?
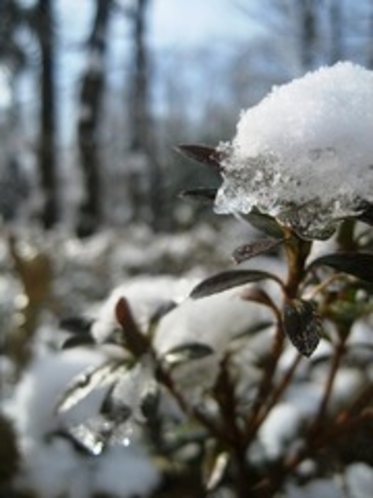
[
  {"x": 304, "y": 153},
  {"x": 146, "y": 295},
  {"x": 51, "y": 466}
]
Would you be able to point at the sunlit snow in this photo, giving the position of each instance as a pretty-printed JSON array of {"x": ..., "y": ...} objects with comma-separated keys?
[{"x": 305, "y": 153}]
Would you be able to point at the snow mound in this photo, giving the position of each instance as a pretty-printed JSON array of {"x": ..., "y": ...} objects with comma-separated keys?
[{"x": 304, "y": 154}]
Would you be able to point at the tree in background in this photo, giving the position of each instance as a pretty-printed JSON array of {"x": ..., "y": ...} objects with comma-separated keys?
[
  {"x": 142, "y": 138},
  {"x": 91, "y": 97},
  {"x": 47, "y": 157}
]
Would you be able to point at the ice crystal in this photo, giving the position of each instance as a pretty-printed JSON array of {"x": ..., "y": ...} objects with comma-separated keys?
[{"x": 305, "y": 153}]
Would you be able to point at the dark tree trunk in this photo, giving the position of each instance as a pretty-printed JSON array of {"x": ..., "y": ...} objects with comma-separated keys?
[
  {"x": 370, "y": 38},
  {"x": 142, "y": 140},
  {"x": 47, "y": 140},
  {"x": 308, "y": 33},
  {"x": 336, "y": 31},
  {"x": 91, "y": 95}
]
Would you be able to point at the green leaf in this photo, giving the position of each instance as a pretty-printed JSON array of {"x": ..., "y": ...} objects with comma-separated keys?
[
  {"x": 229, "y": 279},
  {"x": 252, "y": 249},
  {"x": 113, "y": 407},
  {"x": 366, "y": 215},
  {"x": 76, "y": 324},
  {"x": 78, "y": 341},
  {"x": 302, "y": 325},
  {"x": 264, "y": 223},
  {"x": 186, "y": 352},
  {"x": 359, "y": 265},
  {"x": 202, "y": 154},
  {"x": 150, "y": 402},
  {"x": 83, "y": 384},
  {"x": 201, "y": 194}
]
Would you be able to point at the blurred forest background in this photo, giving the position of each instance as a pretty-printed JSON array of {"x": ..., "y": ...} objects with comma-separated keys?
[{"x": 94, "y": 95}]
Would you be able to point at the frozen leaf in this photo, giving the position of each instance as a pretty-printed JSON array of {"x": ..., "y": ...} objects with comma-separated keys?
[
  {"x": 248, "y": 251},
  {"x": 114, "y": 408},
  {"x": 366, "y": 215},
  {"x": 202, "y": 154},
  {"x": 82, "y": 440},
  {"x": 302, "y": 325},
  {"x": 85, "y": 383},
  {"x": 87, "y": 440},
  {"x": 134, "y": 339},
  {"x": 78, "y": 341},
  {"x": 150, "y": 402},
  {"x": 215, "y": 469},
  {"x": 229, "y": 279},
  {"x": 187, "y": 352},
  {"x": 206, "y": 195},
  {"x": 359, "y": 265},
  {"x": 76, "y": 324},
  {"x": 263, "y": 223}
]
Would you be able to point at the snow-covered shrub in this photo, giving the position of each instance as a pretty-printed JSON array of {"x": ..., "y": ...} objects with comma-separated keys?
[{"x": 254, "y": 382}]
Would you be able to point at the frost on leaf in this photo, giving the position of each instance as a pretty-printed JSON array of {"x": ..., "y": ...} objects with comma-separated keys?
[
  {"x": 304, "y": 155},
  {"x": 302, "y": 325}
]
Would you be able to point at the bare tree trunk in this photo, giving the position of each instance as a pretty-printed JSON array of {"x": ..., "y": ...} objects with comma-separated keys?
[
  {"x": 47, "y": 140},
  {"x": 336, "y": 31},
  {"x": 370, "y": 38},
  {"x": 142, "y": 140},
  {"x": 91, "y": 96},
  {"x": 308, "y": 36}
]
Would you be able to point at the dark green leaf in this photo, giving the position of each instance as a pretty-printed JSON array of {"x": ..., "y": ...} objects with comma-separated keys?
[
  {"x": 229, "y": 279},
  {"x": 359, "y": 265},
  {"x": 248, "y": 251},
  {"x": 205, "y": 195},
  {"x": 85, "y": 383},
  {"x": 78, "y": 341},
  {"x": 302, "y": 325},
  {"x": 150, "y": 402},
  {"x": 366, "y": 215},
  {"x": 114, "y": 407},
  {"x": 135, "y": 341},
  {"x": 202, "y": 154},
  {"x": 76, "y": 324},
  {"x": 263, "y": 223},
  {"x": 186, "y": 352}
]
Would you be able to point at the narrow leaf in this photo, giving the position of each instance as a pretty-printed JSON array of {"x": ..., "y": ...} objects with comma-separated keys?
[
  {"x": 134, "y": 339},
  {"x": 263, "y": 223},
  {"x": 78, "y": 341},
  {"x": 216, "y": 472},
  {"x": 248, "y": 251},
  {"x": 229, "y": 279},
  {"x": 114, "y": 407},
  {"x": 302, "y": 325},
  {"x": 150, "y": 402},
  {"x": 366, "y": 215},
  {"x": 203, "y": 154},
  {"x": 76, "y": 324},
  {"x": 201, "y": 194},
  {"x": 186, "y": 352},
  {"x": 359, "y": 265},
  {"x": 85, "y": 383}
]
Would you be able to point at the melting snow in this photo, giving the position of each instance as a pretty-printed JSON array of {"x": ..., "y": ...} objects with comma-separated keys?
[{"x": 305, "y": 153}]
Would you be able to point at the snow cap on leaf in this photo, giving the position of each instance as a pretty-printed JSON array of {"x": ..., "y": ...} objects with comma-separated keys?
[{"x": 304, "y": 154}]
